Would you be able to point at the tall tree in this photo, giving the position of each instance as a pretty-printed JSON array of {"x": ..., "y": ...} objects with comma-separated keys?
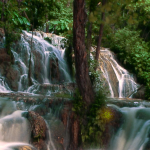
[
  {"x": 81, "y": 64},
  {"x": 100, "y": 32}
]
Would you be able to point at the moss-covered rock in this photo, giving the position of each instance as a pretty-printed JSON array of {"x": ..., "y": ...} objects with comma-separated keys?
[{"x": 38, "y": 130}]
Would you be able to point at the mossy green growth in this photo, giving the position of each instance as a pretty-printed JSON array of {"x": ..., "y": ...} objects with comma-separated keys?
[
  {"x": 91, "y": 123},
  {"x": 62, "y": 95},
  {"x": 38, "y": 137},
  {"x": 79, "y": 105},
  {"x": 49, "y": 40}
]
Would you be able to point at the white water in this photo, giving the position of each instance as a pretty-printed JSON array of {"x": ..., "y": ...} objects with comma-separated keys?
[
  {"x": 121, "y": 83},
  {"x": 42, "y": 55},
  {"x": 135, "y": 130},
  {"x": 4, "y": 88},
  {"x": 14, "y": 129}
]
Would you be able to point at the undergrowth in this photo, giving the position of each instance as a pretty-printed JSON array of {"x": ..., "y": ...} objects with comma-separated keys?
[{"x": 93, "y": 118}]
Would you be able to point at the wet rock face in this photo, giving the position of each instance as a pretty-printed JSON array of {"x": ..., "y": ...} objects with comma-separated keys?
[
  {"x": 54, "y": 71},
  {"x": 111, "y": 75},
  {"x": 38, "y": 130},
  {"x": 140, "y": 93},
  {"x": 2, "y": 34},
  {"x": 4, "y": 57},
  {"x": 8, "y": 70}
]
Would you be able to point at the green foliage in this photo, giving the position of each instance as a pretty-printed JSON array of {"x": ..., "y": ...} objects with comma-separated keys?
[
  {"x": 62, "y": 23},
  {"x": 40, "y": 11},
  {"x": 92, "y": 127},
  {"x": 62, "y": 95},
  {"x": 92, "y": 132},
  {"x": 48, "y": 39},
  {"x": 11, "y": 37},
  {"x": 78, "y": 104},
  {"x": 133, "y": 51},
  {"x": 97, "y": 82},
  {"x": 61, "y": 26}
]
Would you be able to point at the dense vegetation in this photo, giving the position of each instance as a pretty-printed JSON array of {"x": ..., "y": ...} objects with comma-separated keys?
[{"x": 122, "y": 25}]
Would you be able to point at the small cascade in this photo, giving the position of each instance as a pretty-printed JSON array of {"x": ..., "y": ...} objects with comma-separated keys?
[
  {"x": 4, "y": 88},
  {"x": 14, "y": 124},
  {"x": 50, "y": 141},
  {"x": 14, "y": 128},
  {"x": 120, "y": 82},
  {"x": 134, "y": 134},
  {"x": 58, "y": 41}
]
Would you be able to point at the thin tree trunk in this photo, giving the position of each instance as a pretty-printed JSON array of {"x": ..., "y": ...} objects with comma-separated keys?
[
  {"x": 81, "y": 64},
  {"x": 2, "y": 14},
  {"x": 100, "y": 33},
  {"x": 30, "y": 73},
  {"x": 47, "y": 24},
  {"x": 89, "y": 39}
]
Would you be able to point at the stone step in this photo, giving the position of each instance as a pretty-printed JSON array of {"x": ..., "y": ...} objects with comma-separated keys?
[{"x": 67, "y": 88}]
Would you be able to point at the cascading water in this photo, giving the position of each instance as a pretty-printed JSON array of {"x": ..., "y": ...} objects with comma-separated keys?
[
  {"x": 121, "y": 83},
  {"x": 134, "y": 134},
  {"x": 4, "y": 88},
  {"x": 46, "y": 62},
  {"x": 14, "y": 128}
]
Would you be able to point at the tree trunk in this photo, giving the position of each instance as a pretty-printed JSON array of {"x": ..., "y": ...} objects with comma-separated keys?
[
  {"x": 47, "y": 24},
  {"x": 81, "y": 64},
  {"x": 30, "y": 73},
  {"x": 89, "y": 39},
  {"x": 2, "y": 14},
  {"x": 100, "y": 33}
]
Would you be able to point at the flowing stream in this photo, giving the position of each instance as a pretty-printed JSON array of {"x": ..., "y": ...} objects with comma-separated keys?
[
  {"x": 134, "y": 134},
  {"x": 48, "y": 71}
]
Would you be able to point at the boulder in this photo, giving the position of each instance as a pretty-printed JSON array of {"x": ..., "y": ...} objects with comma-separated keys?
[
  {"x": 38, "y": 130},
  {"x": 140, "y": 94}
]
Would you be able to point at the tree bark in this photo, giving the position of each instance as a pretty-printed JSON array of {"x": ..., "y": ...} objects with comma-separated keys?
[
  {"x": 30, "y": 73},
  {"x": 89, "y": 39},
  {"x": 2, "y": 14},
  {"x": 81, "y": 64},
  {"x": 47, "y": 24},
  {"x": 100, "y": 33}
]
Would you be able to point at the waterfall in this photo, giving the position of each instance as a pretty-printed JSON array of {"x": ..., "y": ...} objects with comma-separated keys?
[
  {"x": 120, "y": 82},
  {"x": 47, "y": 62},
  {"x": 14, "y": 129},
  {"x": 134, "y": 134}
]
